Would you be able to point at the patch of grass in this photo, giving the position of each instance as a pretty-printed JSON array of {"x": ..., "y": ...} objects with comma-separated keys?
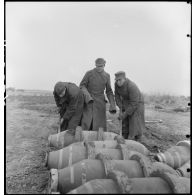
[
  {"x": 33, "y": 99},
  {"x": 166, "y": 100},
  {"x": 44, "y": 104}
]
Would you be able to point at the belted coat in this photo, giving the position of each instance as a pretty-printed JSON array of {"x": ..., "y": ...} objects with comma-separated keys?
[
  {"x": 71, "y": 105},
  {"x": 94, "y": 84}
]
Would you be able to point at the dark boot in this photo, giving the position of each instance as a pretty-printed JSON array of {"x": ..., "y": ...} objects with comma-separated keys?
[
  {"x": 138, "y": 138},
  {"x": 125, "y": 135}
]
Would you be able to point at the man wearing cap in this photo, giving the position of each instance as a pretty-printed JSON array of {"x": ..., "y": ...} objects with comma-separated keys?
[
  {"x": 131, "y": 103},
  {"x": 93, "y": 85},
  {"x": 70, "y": 101}
]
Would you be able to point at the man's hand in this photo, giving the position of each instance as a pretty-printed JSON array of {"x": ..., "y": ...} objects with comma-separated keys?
[
  {"x": 122, "y": 116},
  {"x": 61, "y": 121}
]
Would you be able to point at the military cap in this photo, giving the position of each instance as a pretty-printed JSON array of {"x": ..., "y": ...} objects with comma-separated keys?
[
  {"x": 59, "y": 87},
  {"x": 120, "y": 74},
  {"x": 99, "y": 61}
]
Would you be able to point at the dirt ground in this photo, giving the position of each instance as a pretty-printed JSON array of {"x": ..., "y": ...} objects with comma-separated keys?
[{"x": 31, "y": 118}]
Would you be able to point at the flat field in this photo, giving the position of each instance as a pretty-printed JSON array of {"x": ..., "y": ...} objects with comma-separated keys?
[{"x": 31, "y": 116}]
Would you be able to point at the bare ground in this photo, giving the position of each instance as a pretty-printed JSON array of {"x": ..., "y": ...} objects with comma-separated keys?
[{"x": 29, "y": 121}]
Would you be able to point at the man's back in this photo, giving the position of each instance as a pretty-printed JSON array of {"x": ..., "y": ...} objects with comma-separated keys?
[
  {"x": 96, "y": 82},
  {"x": 72, "y": 90}
]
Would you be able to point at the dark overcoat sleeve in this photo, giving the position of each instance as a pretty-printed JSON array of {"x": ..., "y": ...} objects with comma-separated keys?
[
  {"x": 83, "y": 87},
  {"x": 117, "y": 98},
  {"x": 134, "y": 96}
]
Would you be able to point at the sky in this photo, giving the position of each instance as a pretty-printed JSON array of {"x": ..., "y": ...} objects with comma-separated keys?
[{"x": 47, "y": 42}]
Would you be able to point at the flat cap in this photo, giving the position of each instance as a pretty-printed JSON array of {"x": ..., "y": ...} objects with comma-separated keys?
[
  {"x": 59, "y": 87},
  {"x": 120, "y": 74},
  {"x": 100, "y": 61}
]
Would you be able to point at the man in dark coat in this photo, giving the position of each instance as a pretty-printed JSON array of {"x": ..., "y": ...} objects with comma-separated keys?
[
  {"x": 131, "y": 102},
  {"x": 69, "y": 99},
  {"x": 93, "y": 85}
]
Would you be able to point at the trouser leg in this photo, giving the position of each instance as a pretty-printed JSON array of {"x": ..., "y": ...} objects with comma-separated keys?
[
  {"x": 138, "y": 138},
  {"x": 64, "y": 125},
  {"x": 125, "y": 128}
]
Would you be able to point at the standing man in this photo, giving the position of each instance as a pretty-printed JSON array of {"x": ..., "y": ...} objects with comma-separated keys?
[
  {"x": 130, "y": 100},
  {"x": 93, "y": 85},
  {"x": 70, "y": 101}
]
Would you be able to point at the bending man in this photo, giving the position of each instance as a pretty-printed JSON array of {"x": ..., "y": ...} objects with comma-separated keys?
[
  {"x": 131, "y": 102},
  {"x": 70, "y": 100}
]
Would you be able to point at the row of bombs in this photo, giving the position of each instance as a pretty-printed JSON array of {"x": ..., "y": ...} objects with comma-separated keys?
[{"x": 87, "y": 160}]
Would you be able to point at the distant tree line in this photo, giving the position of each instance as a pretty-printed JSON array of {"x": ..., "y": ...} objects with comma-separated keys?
[{"x": 14, "y": 89}]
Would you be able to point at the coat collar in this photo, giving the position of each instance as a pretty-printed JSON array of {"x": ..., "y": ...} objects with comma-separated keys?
[{"x": 103, "y": 72}]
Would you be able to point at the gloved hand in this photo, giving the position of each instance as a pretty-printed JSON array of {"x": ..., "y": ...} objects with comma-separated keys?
[
  {"x": 122, "y": 116},
  {"x": 58, "y": 109},
  {"x": 61, "y": 120}
]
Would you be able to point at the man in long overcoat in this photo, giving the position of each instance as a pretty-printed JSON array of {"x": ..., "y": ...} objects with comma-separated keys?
[
  {"x": 93, "y": 85},
  {"x": 131, "y": 102},
  {"x": 69, "y": 99}
]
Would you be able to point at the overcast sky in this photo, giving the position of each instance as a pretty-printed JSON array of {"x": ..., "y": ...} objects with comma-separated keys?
[{"x": 59, "y": 41}]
